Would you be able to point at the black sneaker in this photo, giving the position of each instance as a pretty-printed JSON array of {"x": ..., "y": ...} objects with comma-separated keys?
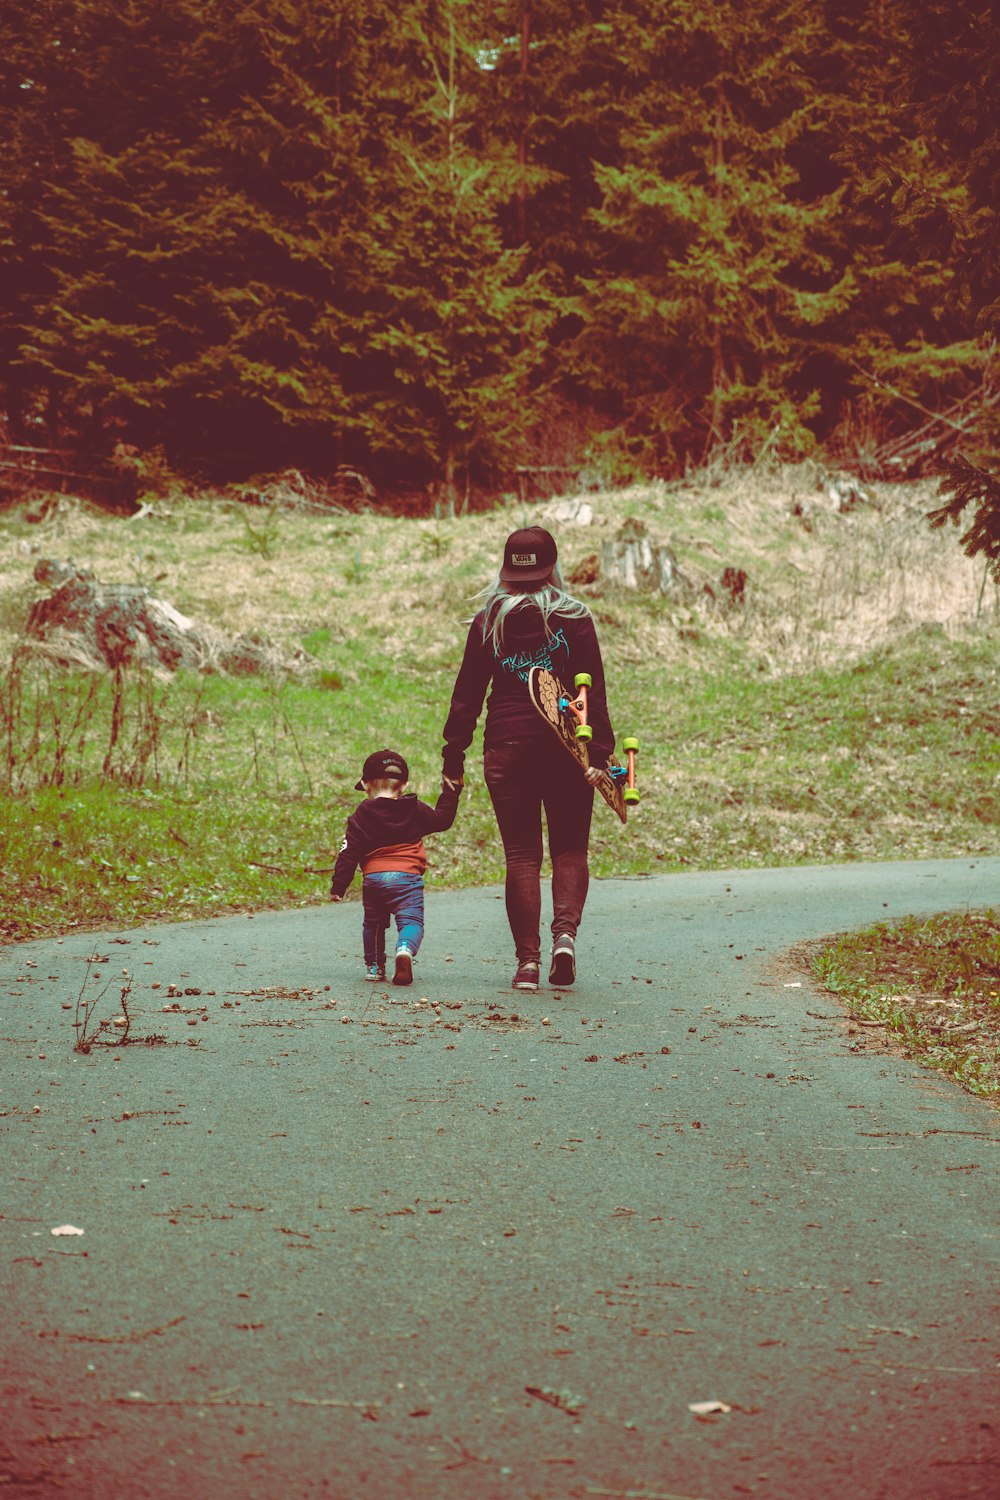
[
  {"x": 526, "y": 977},
  {"x": 563, "y": 971},
  {"x": 404, "y": 967}
]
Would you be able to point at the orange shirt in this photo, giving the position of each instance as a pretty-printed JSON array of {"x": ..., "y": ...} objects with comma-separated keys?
[{"x": 409, "y": 858}]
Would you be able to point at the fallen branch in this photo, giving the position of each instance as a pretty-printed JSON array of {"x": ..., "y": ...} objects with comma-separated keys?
[
  {"x": 938, "y": 431},
  {"x": 123, "y": 1338}
]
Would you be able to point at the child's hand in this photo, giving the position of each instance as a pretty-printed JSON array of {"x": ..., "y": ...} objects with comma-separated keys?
[{"x": 336, "y": 898}]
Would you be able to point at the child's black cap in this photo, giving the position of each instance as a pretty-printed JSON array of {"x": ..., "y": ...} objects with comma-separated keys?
[{"x": 383, "y": 765}]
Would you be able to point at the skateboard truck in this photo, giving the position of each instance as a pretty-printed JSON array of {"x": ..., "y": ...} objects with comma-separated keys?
[
  {"x": 578, "y": 706},
  {"x": 621, "y": 773}
]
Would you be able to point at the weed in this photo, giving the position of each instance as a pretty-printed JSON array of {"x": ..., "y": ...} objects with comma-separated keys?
[
  {"x": 111, "y": 1031},
  {"x": 261, "y": 540},
  {"x": 152, "y": 473},
  {"x": 57, "y": 727},
  {"x": 934, "y": 984},
  {"x": 437, "y": 543}
]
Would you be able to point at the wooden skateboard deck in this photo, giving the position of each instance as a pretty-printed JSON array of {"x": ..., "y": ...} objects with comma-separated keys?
[{"x": 551, "y": 700}]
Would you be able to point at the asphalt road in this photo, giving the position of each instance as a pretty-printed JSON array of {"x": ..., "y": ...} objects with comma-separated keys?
[{"x": 452, "y": 1241}]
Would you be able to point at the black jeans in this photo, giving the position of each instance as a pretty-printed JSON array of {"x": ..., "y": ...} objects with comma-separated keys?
[{"x": 524, "y": 778}]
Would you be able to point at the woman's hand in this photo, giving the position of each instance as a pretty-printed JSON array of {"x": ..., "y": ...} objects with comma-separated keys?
[{"x": 594, "y": 774}]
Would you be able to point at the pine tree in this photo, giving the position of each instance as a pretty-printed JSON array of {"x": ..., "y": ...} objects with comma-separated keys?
[
  {"x": 950, "y": 91},
  {"x": 914, "y": 237},
  {"x": 297, "y": 254},
  {"x": 40, "y": 112},
  {"x": 558, "y": 99},
  {"x": 965, "y": 485},
  {"x": 112, "y": 215},
  {"x": 396, "y": 234},
  {"x": 457, "y": 326},
  {"x": 715, "y": 274}
]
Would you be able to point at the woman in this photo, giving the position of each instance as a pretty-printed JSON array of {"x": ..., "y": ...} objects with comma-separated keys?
[{"x": 528, "y": 620}]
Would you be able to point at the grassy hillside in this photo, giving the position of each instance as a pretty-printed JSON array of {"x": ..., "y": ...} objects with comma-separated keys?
[{"x": 849, "y": 710}]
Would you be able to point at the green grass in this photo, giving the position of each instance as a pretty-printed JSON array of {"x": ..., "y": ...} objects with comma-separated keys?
[
  {"x": 934, "y": 985},
  {"x": 771, "y": 736},
  {"x": 242, "y": 802}
]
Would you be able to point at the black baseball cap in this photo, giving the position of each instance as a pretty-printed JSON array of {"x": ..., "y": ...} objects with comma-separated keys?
[
  {"x": 528, "y": 555},
  {"x": 383, "y": 765}
]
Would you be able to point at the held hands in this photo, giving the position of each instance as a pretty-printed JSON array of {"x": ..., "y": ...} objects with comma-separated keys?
[
  {"x": 336, "y": 898},
  {"x": 452, "y": 783}
]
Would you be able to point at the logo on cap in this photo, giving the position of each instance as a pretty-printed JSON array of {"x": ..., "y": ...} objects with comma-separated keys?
[{"x": 524, "y": 559}]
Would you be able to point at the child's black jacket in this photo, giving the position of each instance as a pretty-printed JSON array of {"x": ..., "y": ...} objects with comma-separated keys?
[{"x": 390, "y": 823}]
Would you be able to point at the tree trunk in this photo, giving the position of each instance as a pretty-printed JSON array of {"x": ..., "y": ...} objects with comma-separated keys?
[
  {"x": 522, "y": 140},
  {"x": 716, "y": 435}
]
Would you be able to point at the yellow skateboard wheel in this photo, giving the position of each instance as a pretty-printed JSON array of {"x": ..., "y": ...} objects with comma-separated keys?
[
  {"x": 584, "y": 732},
  {"x": 630, "y": 795},
  {"x": 630, "y": 744},
  {"x": 582, "y": 679}
]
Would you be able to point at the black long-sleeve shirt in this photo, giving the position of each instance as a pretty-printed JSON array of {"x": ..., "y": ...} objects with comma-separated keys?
[
  {"x": 386, "y": 833},
  {"x": 570, "y": 647}
]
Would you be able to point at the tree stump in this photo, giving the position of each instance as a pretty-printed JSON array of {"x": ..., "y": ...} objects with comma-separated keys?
[
  {"x": 108, "y": 626},
  {"x": 631, "y": 560}
]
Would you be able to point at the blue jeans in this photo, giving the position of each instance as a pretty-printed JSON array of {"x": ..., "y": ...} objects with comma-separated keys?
[{"x": 388, "y": 893}]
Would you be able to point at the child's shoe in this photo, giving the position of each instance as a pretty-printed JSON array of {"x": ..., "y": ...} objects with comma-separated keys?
[
  {"x": 375, "y": 973},
  {"x": 404, "y": 967}
]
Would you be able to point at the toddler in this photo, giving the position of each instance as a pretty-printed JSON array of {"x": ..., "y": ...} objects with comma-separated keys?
[{"x": 385, "y": 837}]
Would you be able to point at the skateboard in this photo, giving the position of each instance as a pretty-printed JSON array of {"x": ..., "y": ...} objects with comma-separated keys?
[{"x": 566, "y": 713}]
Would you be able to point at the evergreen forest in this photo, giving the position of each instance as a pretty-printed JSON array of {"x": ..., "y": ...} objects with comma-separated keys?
[{"x": 438, "y": 241}]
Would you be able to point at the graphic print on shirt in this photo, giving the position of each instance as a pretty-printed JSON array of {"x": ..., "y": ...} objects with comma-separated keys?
[{"x": 523, "y": 662}]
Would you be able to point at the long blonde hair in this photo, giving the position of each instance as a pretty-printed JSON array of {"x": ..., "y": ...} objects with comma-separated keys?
[{"x": 498, "y": 601}]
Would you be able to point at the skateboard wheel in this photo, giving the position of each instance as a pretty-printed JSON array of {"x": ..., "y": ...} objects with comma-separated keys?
[
  {"x": 630, "y": 744},
  {"x": 584, "y": 732},
  {"x": 631, "y": 795},
  {"x": 582, "y": 679}
]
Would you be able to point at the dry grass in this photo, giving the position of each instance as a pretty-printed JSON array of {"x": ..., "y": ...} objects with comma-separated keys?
[
  {"x": 826, "y": 587},
  {"x": 816, "y": 596}
]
